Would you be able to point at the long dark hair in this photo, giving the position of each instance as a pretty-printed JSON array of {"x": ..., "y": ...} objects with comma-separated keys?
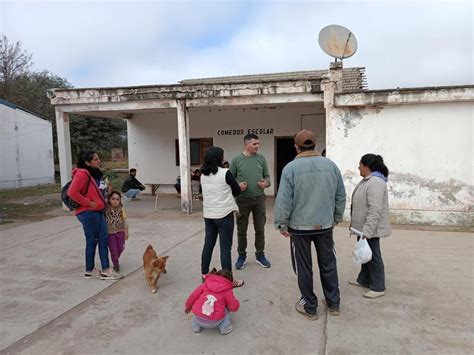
[
  {"x": 87, "y": 156},
  {"x": 212, "y": 160},
  {"x": 374, "y": 163}
]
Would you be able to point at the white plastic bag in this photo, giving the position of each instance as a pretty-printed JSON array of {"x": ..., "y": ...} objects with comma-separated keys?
[{"x": 362, "y": 253}]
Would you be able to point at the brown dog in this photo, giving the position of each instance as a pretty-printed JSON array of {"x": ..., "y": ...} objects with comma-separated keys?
[{"x": 154, "y": 265}]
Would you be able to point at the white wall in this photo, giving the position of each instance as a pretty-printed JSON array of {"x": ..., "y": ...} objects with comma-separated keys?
[
  {"x": 26, "y": 149},
  {"x": 428, "y": 149},
  {"x": 151, "y": 136}
]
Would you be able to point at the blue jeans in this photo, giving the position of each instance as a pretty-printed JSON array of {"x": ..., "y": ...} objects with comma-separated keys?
[
  {"x": 224, "y": 324},
  {"x": 224, "y": 227},
  {"x": 95, "y": 231},
  {"x": 132, "y": 193}
]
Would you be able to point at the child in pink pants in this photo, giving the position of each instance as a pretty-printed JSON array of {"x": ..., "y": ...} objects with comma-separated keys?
[{"x": 118, "y": 227}]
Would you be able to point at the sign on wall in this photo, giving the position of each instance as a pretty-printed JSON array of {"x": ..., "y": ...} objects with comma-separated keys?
[{"x": 243, "y": 131}]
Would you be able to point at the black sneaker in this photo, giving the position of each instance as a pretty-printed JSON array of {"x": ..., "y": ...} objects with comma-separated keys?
[{"x": 89, "y": 274}]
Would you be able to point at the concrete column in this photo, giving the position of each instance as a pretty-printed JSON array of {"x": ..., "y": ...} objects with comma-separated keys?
[
  {"x": 331, "y": 84},
  {"x": 184, "y": 156},
  {"x": 64, "y": 147}
]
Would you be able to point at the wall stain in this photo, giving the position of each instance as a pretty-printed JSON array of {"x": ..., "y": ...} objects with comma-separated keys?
[{"x": 351, "y": 117}]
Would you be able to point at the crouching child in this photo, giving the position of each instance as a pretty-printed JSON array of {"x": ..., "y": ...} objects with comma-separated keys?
[{"x": 212, "y": 302}]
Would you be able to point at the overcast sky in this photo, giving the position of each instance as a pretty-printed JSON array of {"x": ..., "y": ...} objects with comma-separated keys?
[{"x": 120, "y": 43}]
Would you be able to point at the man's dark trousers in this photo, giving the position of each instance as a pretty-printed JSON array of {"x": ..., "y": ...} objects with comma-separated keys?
[
  {"x": 303, "y": 266},
  {"x": 256, "y": 205}
]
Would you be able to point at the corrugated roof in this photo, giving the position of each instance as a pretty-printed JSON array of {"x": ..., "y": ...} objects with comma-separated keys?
[{"x": 352, "y": 78}]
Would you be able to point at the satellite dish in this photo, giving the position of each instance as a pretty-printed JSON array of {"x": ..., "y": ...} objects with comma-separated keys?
[{"x": 337, "y": 41}]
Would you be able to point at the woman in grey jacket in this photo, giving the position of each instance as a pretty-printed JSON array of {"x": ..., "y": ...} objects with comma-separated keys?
[{"x": 370, "y": 215}]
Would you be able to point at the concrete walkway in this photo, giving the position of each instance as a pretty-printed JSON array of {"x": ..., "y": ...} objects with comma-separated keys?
[{"x": 47, "y": 307}]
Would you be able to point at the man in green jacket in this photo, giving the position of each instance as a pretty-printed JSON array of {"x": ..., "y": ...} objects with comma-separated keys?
[
  {"x": 311, "y": 200},
  {"x": 251, "y": 172}
]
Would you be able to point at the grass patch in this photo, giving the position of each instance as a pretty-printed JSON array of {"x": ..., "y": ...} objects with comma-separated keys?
[
  {"x": 30, "y": 203},
  {"x": 9, "y": 194}
]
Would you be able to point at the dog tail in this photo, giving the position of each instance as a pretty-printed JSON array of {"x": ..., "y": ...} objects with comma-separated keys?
[{"x": 149, "y": 247}]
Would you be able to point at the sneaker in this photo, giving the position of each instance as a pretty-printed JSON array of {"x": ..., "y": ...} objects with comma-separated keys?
[
  {"x": 117, "y": 268},
  {"x": 356, "y": 283},
  {"x": 88, "y": 274},
  {"x": 241, "y": 261},
  {"x": 374, "y": 294},
  {"x": 300, "y": 308},
  {"x": 196, "y": 328},
  {"x": 111, "y": 275},
  {"x": 126, "y": 198},
  {"x": 263, "y": 261},
  {"x": 333, "y": 311},
  {"x": 237, "y": 283},
  {"x": 227, "y": 330}
]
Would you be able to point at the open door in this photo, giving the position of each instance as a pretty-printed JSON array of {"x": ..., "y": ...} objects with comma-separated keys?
[{"x": 285, "y": 152}]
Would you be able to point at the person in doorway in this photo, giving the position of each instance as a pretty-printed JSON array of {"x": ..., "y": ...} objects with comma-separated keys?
[
  {"x": 251, "y": 171},
  {"x": 218, "y": 188},
  {"x": 310, "y": 202},
  {"x": 370, "y": 215},
  {"x": 88, "y": 189},
  {"x": 131, "y": 186}
]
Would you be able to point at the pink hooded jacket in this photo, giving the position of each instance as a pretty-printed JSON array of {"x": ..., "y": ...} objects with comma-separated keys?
[{"x": 211, "y": 299}]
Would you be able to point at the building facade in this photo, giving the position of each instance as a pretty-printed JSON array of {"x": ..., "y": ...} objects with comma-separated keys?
[{"x": 418, "y": 131}]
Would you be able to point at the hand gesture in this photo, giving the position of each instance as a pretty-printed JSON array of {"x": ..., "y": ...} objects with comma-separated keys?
[
  {"x": 92, "y": 204},
  {"x": 243, "y": 186},
  {"x": 262, "y": 183},
  {"x": 126, "y": 234}
]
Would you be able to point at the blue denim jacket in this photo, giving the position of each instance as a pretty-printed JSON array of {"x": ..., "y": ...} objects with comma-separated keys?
[{"x": 311, "y": 195}]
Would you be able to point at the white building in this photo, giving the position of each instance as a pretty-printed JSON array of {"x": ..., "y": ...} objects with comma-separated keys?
[
  {"x": 26, "y": 148},
  {"x": 424, "y": 134}
]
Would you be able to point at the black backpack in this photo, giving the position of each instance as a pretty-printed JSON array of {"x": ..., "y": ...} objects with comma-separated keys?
[{"x": 69, "y": 202}]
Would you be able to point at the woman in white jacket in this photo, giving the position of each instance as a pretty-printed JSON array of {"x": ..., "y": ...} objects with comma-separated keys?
[
  {"x": 370, "y": 214},
  {"x": 219, "y": 188}
]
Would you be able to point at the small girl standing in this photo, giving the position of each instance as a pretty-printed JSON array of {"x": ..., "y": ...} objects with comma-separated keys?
[{"x": 118, "y": 227}]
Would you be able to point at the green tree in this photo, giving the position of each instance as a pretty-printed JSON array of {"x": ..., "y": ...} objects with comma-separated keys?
[{"x": 101, "y": 134}]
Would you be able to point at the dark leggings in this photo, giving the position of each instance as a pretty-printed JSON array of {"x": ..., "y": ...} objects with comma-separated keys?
[{"x": 224, "y": 227}]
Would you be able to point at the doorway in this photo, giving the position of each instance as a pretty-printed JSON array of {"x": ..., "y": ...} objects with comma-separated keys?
[{"x": 285, "y": 152}]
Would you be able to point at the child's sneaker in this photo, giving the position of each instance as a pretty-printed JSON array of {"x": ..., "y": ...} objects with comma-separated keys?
[
  {"x": 227, "y": 330},
  {"x": 111, "y": 275},
  {"x": 196, "y": 328}
]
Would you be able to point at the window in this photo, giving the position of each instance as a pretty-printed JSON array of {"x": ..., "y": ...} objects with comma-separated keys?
[{"x": 198, "y": 148}]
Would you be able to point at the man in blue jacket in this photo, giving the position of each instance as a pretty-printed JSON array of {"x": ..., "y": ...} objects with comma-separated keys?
[{"x": 310, "y": 202}]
